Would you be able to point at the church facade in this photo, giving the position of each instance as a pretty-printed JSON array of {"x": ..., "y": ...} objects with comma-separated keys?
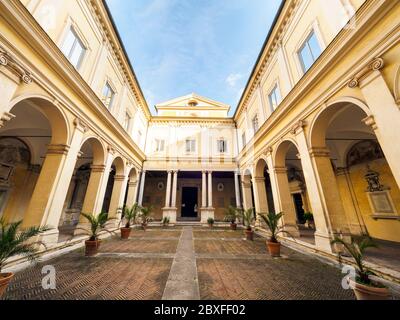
[{"x": 315, "y": 130}]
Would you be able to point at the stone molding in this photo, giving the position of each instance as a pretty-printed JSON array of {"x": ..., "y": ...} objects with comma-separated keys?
[
  {"x": 370, "y": 122},
  {"x": 119, "y": 178},
  {"x": 5, "y": 117},
  {"x": 7, "y": 61},
  {"x": 98, "y": 168},
  {"x": 375, "y": 65},
  {"x": 319, "y": 152},
  {"x": 57, "y": 149}
]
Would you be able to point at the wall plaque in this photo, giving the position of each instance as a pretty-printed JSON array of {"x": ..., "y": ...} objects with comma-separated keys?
[{"x": 381, "y": 203}]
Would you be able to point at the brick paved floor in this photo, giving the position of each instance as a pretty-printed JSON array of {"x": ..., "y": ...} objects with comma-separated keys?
[{"x": 139, "y": 268}]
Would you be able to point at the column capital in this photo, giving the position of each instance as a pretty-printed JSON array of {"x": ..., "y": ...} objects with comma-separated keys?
[
  {"x": 298, "y": 127},
  {"x": 170, "y": 171},
  {"x": 132, "y": 183},
  {"x": 81, "y": 125},
  {"x": 119, "y": 177},
  {"x": 98, "y": 168},
  {"x": 375, "y": 64},
  {"x": 259, "y": 179},
  {"x": 5, "y": 117},
  {"x": 370, "y": 122},
  {"x": 57, "y": 149},
  {"x": 319, "y": 152},
  {"x": 342, "y": 171},
  {"x": 280, "y": 170}
]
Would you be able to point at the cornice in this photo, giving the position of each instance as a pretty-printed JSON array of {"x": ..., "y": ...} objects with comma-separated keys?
[
  {"x": 15, "y": 13},
  {"x": 368, "y": 14},
  {"x": 108, "y": 27},
  {"x": 179, "y": 121},
  {"x": 272, "y": 42}
]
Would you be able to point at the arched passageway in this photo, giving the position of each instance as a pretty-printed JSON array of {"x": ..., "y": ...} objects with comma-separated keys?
[
  {"x": 359, "y": 188},
  {"x": 33, "y": 147}
]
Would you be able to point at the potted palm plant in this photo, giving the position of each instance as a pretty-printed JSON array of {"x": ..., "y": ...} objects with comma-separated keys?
[
  {"x": 231, "y": 215},
  {"x": 130, "y": 216},
  {"x": 271, "y": 219},
  {"x": 98, "y": 226},
  {"x": 364, "y": 288},
  {"x": 165, "y": 221},
  {"x": 248, "y": 218},
  {"x": 309, "y": 217},
  {"x": 146, "y": 216},
  {"x": 210, "y": 222},
  {"x": 15, "y": 242}
]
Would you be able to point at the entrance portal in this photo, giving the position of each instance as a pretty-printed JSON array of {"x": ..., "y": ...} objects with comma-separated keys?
[{"x": 189, "y": 202}]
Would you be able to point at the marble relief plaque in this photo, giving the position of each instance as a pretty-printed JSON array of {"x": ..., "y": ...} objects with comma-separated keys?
[{"x": 381, "y": 203}]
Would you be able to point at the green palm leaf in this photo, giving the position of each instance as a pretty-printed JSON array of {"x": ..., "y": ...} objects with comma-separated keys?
[{"x": 14, "y": 241}]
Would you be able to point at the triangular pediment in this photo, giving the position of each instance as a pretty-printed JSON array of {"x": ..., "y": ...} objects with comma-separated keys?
[{"x": 192, "y": 101}]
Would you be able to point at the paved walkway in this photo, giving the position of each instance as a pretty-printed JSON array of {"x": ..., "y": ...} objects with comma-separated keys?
[{"x": 183, "y": 263}]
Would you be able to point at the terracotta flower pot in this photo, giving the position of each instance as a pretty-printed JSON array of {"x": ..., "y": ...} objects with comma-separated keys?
[
  {"x": 233, "y": 226},
  {"x": 210, "y": 225},
  {"x": 5, "y": 279},
  {"x": 250, "y": 235},
  {"x": 274, "y": 248},
  {"x": 144, "y": 226},
  {"x": 125, "y": 233},
  {"x": 364, "y": 292},
  {"x": 91, "y": 247}
]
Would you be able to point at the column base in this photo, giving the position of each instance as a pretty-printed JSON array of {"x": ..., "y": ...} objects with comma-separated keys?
[
  {"x": 49, "y": 238},
  {"x": 323, "y": 242},
  {"x": 170, "y": 213},
  {"x": 292, "y": 230},
  {"x": 206, "y": 213}
]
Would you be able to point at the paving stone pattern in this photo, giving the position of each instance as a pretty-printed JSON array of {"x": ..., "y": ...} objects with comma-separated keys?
[{"x": 182, "y": 263}]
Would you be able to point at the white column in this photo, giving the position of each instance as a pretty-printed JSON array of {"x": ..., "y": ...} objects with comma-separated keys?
[
  {"x": 174, "y": 189},
  {"x": 141, "y": 192},
  {"x": 237, "y": 190},
  {"x": 168, "y": 191},
  {"x": 210, "y": 202},
  {"x": 137, "y": 190},
  {"x": 103, "y": 184},
  {"x": 204, "y": 190},
  {"x": 385, "y": 120}
]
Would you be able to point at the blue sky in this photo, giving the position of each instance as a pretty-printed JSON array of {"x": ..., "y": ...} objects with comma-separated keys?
[{"x": 182, "y": 46}]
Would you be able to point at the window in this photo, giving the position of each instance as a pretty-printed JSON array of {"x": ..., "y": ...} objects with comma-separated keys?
[
  {"x": 108, "y": 95},
  {"x": 127, "y": 121},
  {"x": 159, "y": 145},
  {"x": 309, "y": 52},
  {"x": 274, "y": 98},
  {"x": 190, "y": 145},
  {"x": 244, "y": 139},
  {"x": 255, "y": 123},
  {"x": 73, "y": 48},
  {"x": 222, "y": 145}
]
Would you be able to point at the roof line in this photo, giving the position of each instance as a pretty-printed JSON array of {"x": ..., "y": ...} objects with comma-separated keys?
[
  {"x": 124, "y": 51},
  {"x": 277, "y": 15}
]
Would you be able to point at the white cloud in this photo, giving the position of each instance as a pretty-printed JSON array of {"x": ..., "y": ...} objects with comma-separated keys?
[{"x": 233, "y": 78}]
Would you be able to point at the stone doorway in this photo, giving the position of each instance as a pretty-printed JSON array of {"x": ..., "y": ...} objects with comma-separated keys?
[{"x": 189, "y": 202}]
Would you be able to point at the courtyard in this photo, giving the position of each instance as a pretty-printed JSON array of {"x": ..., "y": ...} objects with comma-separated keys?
[{"x": 183, "y": 262}]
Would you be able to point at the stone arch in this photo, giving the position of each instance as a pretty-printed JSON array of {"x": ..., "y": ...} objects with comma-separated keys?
[
  {"x": 119, "y": 165},
  {"x": 260, "y": 166},
  {"x": 327, "y": 115},
  {"x": 60, "y": 129},
  {"x": 98, "y": 149},
  {"x": 281, "y": 150}
]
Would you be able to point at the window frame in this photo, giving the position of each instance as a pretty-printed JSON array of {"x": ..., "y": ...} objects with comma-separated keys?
[
  {"x": 72, "y": 29},
  {"x": 109, "y": 84},
  {"x": 224, "y": 144},
  {"x": 275, "y": 89},
  {"x": 157, "y": 145},
  {"x": 312, "y": 31},
  {"x": 192, "y": 144}
]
